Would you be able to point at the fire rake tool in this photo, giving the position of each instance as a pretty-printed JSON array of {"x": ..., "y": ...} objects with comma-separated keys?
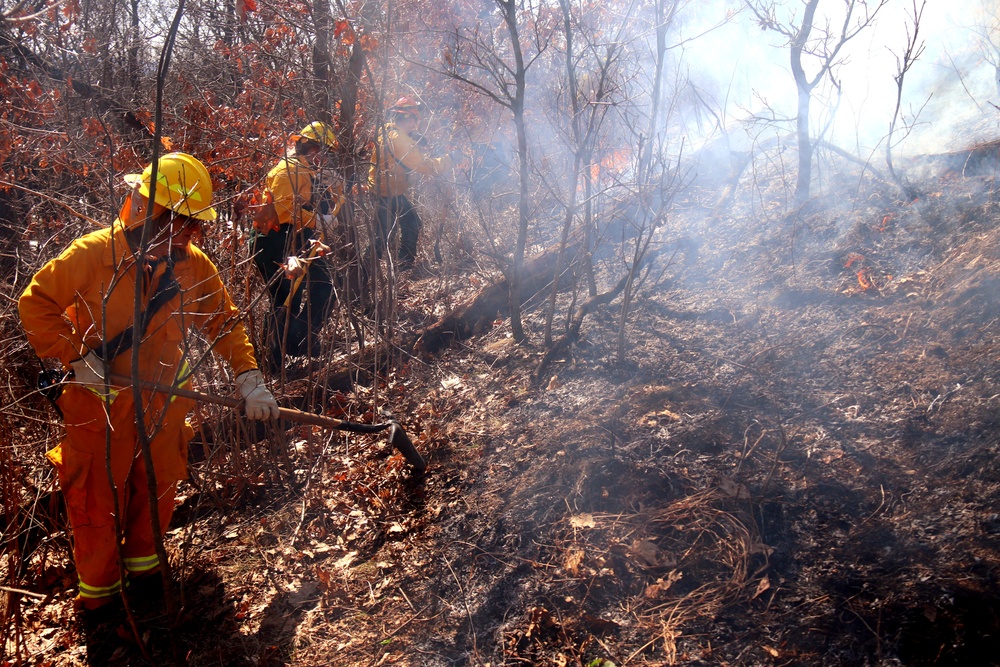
[{"x": 397, "y": 437}]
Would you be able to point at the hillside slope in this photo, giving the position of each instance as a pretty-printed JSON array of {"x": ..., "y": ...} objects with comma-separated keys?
[{"x": 795, "y": 464}]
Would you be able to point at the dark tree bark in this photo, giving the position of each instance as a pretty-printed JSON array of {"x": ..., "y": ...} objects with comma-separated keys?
[
  {"x": 516, "y": 288},
  {"x": 478, "y": 314},
  {"x": 322, "y": 88}
]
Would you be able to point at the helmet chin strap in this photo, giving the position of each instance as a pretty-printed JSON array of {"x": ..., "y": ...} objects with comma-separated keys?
[{"x": 161, "y": 240}]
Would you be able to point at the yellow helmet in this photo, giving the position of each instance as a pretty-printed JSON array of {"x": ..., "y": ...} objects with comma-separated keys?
[
  {"x": 319, "y": 132},
  {"x": 182, "y": 185}
]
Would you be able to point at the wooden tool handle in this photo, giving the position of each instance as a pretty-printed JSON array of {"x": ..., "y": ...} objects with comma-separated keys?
[{"x": 237, "y": 403}]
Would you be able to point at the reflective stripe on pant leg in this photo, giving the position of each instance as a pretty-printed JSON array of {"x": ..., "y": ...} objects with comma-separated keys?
[
  {"x": 99, "y": 392},
  {"x": 168, "y": 448},
  {"x": 182, "y": 378},
  {"x": 92, "y": 592},
  {"x": 142, "y": 564},
  {"x": 139, "y": 550},
  {"x": 80, "y": 462}
]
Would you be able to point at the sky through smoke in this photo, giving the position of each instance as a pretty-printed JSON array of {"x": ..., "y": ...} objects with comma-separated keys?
[{"x": 747, "y": 69}]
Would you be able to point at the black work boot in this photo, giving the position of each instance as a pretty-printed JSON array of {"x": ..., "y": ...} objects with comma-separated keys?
[
  {"x": 105, "y": 632},
  {"x": 109, "y": 613}
]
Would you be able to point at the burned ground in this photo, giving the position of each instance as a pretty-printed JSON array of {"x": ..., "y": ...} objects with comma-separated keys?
[{"x": 794, "y": 464}]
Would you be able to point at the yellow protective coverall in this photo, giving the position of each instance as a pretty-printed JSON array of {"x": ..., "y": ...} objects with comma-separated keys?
[
  {"x": 75, "y": 301},
  {"x": 301, "y": 195},
  {"x": 289, "y": 188},
  {"x": 397, "y": 156},
  {"x": 290, "y": 185}
]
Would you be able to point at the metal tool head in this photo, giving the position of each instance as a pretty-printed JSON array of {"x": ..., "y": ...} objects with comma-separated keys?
[{"x": 402, "y": 442}]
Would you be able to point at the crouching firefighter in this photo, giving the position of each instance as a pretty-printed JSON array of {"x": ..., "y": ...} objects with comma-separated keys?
[
  {"x": 79, "y": 309},
  {"x": 302, "y": 196}
]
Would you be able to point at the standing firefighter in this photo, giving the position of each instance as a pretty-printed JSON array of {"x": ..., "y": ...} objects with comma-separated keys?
[
  {"x": 301, "y": 192},
  {"x": 396, "y": 157},
  {"x": 79, "y": 308}
]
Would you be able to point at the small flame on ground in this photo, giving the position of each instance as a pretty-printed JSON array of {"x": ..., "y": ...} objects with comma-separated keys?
[
  {"x": 852, "y": 258},
  {"x": 865, "y": 280}
]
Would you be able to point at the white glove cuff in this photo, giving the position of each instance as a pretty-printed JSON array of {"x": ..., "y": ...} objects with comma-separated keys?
[{"x": 249, "y": 380}]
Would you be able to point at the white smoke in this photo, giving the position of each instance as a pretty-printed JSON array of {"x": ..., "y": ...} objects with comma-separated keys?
[{"x": 948, "y": 93}]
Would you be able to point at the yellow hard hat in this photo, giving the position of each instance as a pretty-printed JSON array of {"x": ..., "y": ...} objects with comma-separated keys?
[
  {"x": 319, "y": 132},
  {"x": 182, "y": 185}
]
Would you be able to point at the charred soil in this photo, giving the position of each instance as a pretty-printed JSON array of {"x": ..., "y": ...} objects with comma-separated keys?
[{"x": 793, "y": 463}]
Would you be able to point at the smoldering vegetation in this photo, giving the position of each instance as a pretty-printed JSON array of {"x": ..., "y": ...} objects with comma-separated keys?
[{"x": 743, "y": 427}]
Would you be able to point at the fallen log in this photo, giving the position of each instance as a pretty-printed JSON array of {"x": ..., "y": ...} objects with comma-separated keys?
[{"x": 476, "y": 315}]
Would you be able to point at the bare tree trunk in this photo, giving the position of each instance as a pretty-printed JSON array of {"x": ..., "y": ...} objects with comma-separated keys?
[
  {"x": 132, "y": 66},
  {"x": 348, "y": 107},
  {"x": 590, "y": 225},
  {"x": 914, "y": 49},
  {"x": 321, "y": 61},
  {"x": 645, "y": 174},
  {"x": 350, "y": 152},
  {"x": 572, "y": 334},
  {"x": 140, "y": 419},
  {"x": 646, "y": 151},
  {"x": 509, "y": 9},
  {"x": 478, "y": 313},
  {"x": 574, "y": 179},
  {"x": 804, "y": 88},
  {"x": 823, "y": 49}
]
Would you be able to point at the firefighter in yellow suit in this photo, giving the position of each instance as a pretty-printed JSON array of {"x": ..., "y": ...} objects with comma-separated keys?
[
  {"x": 306, "y": 196},
  {"x": 83, "y": 299},
  {"x": 397, "y": 155}
]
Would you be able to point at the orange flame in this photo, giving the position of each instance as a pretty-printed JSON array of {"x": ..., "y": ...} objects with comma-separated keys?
[
  {"x": 612, "y": 163},
  {"x": 852, "y": 258}
]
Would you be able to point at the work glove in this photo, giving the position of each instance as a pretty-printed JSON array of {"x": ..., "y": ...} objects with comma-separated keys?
[
  {"x": 89, "y": 370},
  {"x": 257, "y": 400},
  {"x": 294, "y": 267}
]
